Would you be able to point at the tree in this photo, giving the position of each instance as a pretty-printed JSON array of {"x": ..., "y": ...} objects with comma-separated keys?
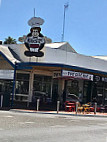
[{"x": 10, "y": 40}]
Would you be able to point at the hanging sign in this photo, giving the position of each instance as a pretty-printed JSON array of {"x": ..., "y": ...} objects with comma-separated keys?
[
  {"x": 80, "y": 75},
  {"x": 34, "y": 41}
]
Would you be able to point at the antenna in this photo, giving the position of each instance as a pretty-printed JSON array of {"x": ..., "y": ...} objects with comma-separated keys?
[
  {"x": 65, "y": 7},
  {"x": 34, "y": 12}
]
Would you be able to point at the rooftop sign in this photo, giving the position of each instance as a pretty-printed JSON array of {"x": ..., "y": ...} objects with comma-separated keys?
[{"x": 35, "y": 40}]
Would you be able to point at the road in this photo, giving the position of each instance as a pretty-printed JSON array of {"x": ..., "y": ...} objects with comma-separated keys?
[{"x": 33, "y": 127}]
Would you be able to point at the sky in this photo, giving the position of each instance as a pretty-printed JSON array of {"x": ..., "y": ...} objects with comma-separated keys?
[{"x": 85, "y": 22}]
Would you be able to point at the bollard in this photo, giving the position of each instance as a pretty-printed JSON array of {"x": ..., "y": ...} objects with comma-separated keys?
[
  {"x": 38, "y": 100},
  {"x": 1, "y": 100},
  {"x": 76, "y": 107},
  {"x": 58, "y": 104},
  {"x": 95, "y": 108}
]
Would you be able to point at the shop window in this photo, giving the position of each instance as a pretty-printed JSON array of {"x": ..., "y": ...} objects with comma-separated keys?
[
  {"x": 22, "y": 83},
  {"x": 37, "y": 86},
  {"x": 105, "y": 93},
  {"x": 87, "y": 91},
  {"x": 42, "y": 83},
  {"x": 22, "y": 87},
  {"x": 38, "y": 78},
  {"x": 6, "y": 86},
  {"x": 55, "y": 90},
  {"x": 47, "y": 79},
  {"x": 72, "y": 87},
  {"x": 21, "y": 76}
]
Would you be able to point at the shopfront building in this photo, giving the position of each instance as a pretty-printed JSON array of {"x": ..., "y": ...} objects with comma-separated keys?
[{"x": 49, "y": 70}]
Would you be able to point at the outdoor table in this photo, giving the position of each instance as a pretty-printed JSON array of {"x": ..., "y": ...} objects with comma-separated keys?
[{"x": 86, "y": 107}]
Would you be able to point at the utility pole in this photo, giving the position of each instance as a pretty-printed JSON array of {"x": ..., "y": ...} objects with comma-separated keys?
[{"x": 65, "y": 7}]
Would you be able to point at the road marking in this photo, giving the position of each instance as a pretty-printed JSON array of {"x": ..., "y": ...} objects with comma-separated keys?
[
  {"x": 26, "y": 122},
  {"x": 9, "y": 116},
  {"x": 58, "y": 126},
  {"x": 29, "y": 122}
]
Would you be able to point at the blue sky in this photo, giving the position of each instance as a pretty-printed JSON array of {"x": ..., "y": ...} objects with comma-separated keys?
[{"x": 85, "y": 23}]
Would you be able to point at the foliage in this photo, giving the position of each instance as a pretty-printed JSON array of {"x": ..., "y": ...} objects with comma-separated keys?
[{"x": 10, "y": 40}]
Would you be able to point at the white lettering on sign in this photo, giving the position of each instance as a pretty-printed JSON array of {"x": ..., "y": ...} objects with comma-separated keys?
[
  {"x": 34, "y": 49},
  {"x": 32, "y": 40},
  {"x": 80, "y": 75}
]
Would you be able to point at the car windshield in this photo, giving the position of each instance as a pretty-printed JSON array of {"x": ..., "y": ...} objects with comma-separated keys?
[
  {"x": 72, "y": 97},
  {"x": 39, "y": 93}
]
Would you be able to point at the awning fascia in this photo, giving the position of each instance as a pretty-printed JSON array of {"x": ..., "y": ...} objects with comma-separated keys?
[{"x": 63, "y": 66}]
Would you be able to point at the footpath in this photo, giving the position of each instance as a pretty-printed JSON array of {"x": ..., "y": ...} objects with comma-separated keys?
[{"x": 91, "y": 114}]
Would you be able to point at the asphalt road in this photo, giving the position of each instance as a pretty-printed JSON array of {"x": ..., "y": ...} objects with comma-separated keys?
[{"x": 28, "y": 127}]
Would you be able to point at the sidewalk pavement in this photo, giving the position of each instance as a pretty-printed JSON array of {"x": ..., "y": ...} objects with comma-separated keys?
[{"x": 91, "y": 114}]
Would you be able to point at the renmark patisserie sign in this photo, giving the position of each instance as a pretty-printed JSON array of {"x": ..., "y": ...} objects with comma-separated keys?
[{"x": 79, "y": 75}]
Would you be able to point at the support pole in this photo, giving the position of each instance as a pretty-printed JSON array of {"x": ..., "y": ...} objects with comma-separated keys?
[
  {"x": 76, "y": 107},
  {"x": 38, "y": 101},
  {"x": 95, "y": 108},
  {"x": 58, "y": 104},
  {"x": 1, "y": 100},
  {"x": 14, "y": 83}
]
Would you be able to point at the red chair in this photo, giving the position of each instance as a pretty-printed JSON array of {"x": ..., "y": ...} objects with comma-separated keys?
[
  {"x": 91, "y": 109},
  {"x": 69, "y": 106}
]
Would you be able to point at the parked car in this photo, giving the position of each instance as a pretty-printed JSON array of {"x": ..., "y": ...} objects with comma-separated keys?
[
  {"x": 39, "y": 95},
  {"x": 72, "y": 98}
]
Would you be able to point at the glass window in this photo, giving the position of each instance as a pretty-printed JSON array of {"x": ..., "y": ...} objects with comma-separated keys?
[
  {"x": 22, "y": 83},
  {"x": 21, "y": 76},
  {"x": 72, "y": 87},
  {"x": 22, "y": 87},
  {"x": 42, "y": 83},
  {"x": 6, "y": 86}
]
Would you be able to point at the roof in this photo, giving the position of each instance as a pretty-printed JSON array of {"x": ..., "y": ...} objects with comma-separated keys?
[
  {"x": 100, "y": 57},
  {"x": 55, "y": 54},
  {"x": 61, "y": 45}
]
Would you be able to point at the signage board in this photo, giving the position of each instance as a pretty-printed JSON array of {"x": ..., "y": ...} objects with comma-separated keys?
[
  {"x": 104, "y": 79},
  {"x": 6, "y": 74},
  {"x": 56, "y": 74},
  {"x": 34, "y": 41},
  {"x": 80, "y": 75}
]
